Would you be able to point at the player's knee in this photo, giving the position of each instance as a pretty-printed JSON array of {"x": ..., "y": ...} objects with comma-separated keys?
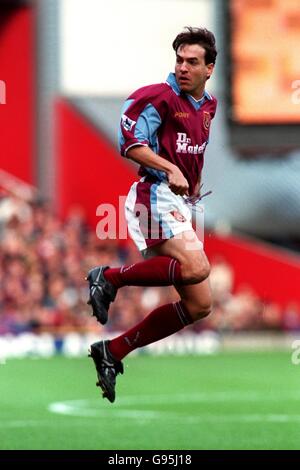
[
  {"x": 200, "y": 311},
  {"x": 195, "y": 272},
  {"x": 204, "y": 312}
]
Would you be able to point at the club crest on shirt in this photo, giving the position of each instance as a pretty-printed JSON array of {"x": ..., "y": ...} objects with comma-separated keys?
[
  {"x": 206, "y": 119},
  {"x": 179, "y": 217}
]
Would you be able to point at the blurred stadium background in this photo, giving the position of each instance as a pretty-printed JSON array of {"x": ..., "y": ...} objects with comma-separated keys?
[{"x": 229, "y": 382}]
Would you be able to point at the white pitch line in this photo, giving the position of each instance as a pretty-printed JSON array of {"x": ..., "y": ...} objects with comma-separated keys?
[
  {"x": 81, "y": 408},
  {"x": 84, "y": 408},
  {"x": 141, "y": 417},
  {"x": 211, "y": 397}
]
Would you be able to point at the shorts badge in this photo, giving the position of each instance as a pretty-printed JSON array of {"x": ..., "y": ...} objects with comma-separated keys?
[{"x": 179, "y": 217}]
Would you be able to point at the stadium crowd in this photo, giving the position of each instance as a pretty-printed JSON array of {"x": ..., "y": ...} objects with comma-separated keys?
[{"x": 44, "y": 261}]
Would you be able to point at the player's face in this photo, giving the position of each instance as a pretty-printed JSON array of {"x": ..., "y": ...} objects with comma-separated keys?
[{"x": 190, "y": 69}]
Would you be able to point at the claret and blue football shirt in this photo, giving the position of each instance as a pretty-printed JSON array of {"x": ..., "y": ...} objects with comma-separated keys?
[{"x": 172, "y": 123}]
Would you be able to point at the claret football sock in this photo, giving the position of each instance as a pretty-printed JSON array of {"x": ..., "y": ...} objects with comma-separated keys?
[
  {"x": 160, "y": 323},
  {"x": 157, "y": 271}
]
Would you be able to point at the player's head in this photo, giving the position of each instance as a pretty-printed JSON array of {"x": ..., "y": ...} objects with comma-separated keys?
[
  {"x": 201, "y": 36},
  {"x": 195, "y": 58}
]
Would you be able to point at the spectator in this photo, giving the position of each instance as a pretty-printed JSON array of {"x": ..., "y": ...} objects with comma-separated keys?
[{"x": 43, "y": 262}]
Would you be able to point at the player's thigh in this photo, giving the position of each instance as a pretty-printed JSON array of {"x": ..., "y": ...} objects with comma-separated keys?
[
  {"x": 197, "y": 298},
  {"x": 188, "y": 250},
  {"x": 185, "y": 245}
]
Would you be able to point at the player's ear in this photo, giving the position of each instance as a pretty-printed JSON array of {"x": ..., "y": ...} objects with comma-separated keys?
[{"x": 210, "y": 69}]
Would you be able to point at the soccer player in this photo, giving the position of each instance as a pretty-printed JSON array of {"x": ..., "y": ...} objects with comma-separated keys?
[{"x": 165, "y": 129}]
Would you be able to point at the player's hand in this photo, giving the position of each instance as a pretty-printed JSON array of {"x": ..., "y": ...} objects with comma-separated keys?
[{"x": 177, "y": 182}]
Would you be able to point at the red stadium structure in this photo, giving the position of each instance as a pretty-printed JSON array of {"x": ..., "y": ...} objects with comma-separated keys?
[{"x": 85, "y": 159}]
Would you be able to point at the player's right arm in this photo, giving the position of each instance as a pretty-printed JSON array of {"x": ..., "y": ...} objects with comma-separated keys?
[
  {"x": 142, "y": 116},
  {"x": 143, "y": 155}
]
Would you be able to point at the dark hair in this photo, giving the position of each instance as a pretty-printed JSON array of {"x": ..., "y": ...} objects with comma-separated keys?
[{"x": 200, "y": 36}]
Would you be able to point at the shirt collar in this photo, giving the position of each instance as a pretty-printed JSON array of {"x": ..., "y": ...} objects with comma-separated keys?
[{"x": 171, "y": 80}]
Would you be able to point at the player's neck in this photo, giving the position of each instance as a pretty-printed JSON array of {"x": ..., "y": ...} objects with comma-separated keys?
[{"x": 198, "y": 95}]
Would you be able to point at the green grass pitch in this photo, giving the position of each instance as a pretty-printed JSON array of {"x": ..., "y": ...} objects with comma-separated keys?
[{"x": 224, "y": 401}]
